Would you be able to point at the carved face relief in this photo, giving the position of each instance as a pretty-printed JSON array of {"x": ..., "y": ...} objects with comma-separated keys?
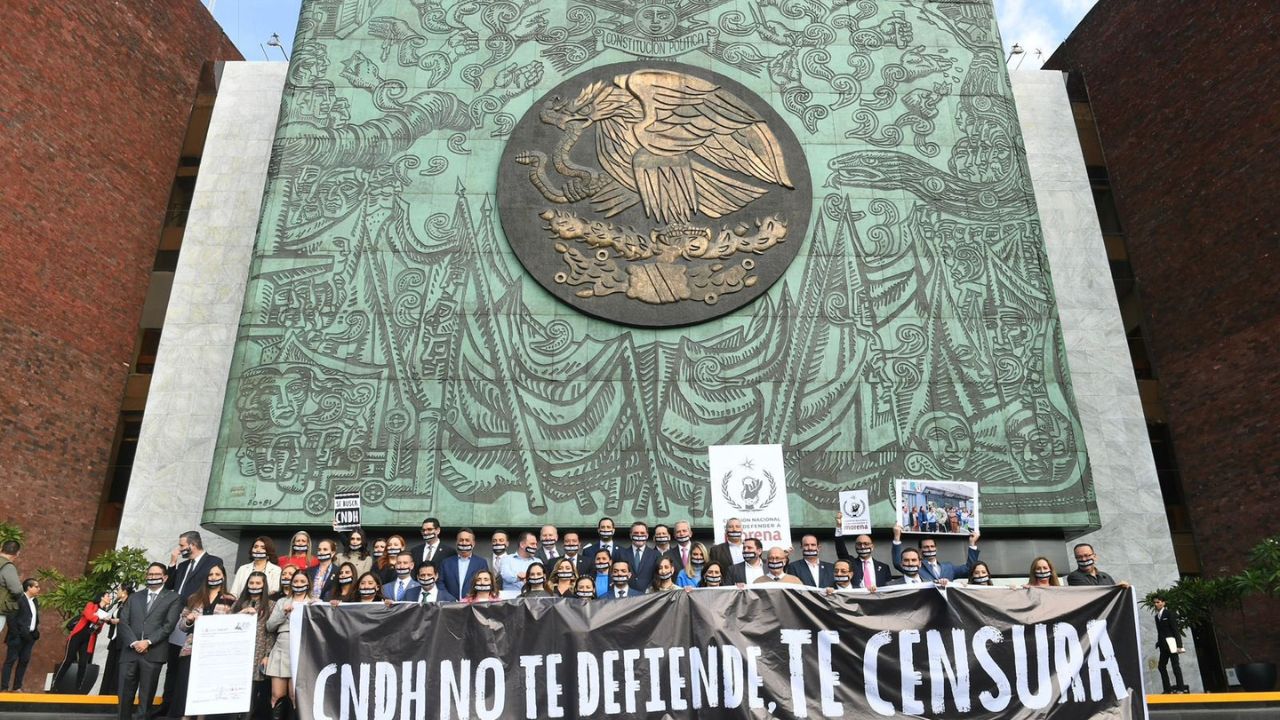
[
  {"x": 656, "y": 20},
  {"x": 272, "y": 398},
  {"x": 1034, "y": 445},
  {"x": 948, "y": 438},
  {"x": 654, "y": 194}
]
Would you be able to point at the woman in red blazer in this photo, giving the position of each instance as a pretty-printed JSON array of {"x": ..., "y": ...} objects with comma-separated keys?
[
  {"x": 299, "y": 555},
  {"x": 83, "y": 637}
]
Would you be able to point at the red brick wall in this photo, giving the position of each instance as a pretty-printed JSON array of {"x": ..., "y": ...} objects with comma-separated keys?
[
  {"x": 94, "y": 103},
  {"x": 1187, "y": 102}
]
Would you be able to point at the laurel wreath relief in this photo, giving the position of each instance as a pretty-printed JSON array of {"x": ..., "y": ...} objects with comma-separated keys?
[{"x": 724, "y": 490}]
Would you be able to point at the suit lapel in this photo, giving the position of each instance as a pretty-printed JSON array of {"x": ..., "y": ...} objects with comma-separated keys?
[{"x": 192, "y": 566}]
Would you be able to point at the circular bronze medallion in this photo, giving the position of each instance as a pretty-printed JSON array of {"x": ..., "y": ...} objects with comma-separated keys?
[{"x": 654, "y": 194}]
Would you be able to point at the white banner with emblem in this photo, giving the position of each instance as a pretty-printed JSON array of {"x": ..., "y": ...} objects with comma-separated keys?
[{"x": 749, "y": 482}]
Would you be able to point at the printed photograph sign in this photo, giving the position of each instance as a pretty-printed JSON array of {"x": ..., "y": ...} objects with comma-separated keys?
[{"x": 939, "y": 508}]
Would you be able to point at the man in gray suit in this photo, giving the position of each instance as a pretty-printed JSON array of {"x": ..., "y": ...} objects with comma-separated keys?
[{"x": 145, "y": 623}]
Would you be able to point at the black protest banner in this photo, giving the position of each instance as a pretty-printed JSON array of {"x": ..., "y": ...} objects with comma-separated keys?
[{"x": 1060, "y": 653}]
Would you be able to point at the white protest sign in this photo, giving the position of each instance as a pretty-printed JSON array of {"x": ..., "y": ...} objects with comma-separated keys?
[
  {"x": 748, "y": 482},
  {"x": 855, "y": 512},
  {"x": 346, "y": 511},
  {"x": 938, "y": 507},
  {"x": 222, "y": 660}
]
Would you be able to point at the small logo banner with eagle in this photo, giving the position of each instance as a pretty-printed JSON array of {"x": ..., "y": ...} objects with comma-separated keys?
[{"x": 855, "y": 512}]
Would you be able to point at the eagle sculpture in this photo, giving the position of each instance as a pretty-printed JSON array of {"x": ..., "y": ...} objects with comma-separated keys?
[{"x": 677, "y": 144}]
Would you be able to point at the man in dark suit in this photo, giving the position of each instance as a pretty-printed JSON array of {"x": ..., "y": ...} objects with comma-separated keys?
[
  {"x": 662, "y": 540},
  {"x": 682, "y": 533},
  {"x": 604, "y": 531},
  {"x": 548, "y": 545},
  {"x": 729, "y": 552},
  {"x": 24, "y": 631},
  {"x": 620, "y": 582},
  {"x": 573, "y": 550},
  {"x": 862, "y": 562},
  {"x": 432, "y": 550},
  {"x": 911, "y": 562},
  {"x": 189, "y": 575},
  {"x": 147, "y": 620},
  {"x": 457, "y": 570},
  {"x": 428, "y": 588},
  {"x": 1169, "y": 643},
  {"x": 188, "y": 570},
  {"x": 752, "y": 567},
  {"x": 931, "y": 570},
  {"x": 812, "y": 571},
  {"x": 642, "y": 559},
  {"x": 404, "y": 583}
]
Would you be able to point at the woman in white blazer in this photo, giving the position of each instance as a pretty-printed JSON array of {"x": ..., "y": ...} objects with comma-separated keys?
[{"x": 263, "y": 559}]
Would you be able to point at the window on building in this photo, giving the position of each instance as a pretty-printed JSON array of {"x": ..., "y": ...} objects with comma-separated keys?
[
  {"x": 145, "y": 362},
  {"x": 166, "y": 261},
  {"x": 122, "y": 462},
  {"x": 1108, "y": 216},
  {"x": 184, "y": 188}
]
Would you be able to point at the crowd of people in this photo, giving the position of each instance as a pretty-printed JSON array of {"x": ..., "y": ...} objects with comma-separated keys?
[{"x": 152, "y": 626}]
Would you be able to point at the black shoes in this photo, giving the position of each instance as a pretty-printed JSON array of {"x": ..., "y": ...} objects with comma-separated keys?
[{"x": 280, "y": 711}]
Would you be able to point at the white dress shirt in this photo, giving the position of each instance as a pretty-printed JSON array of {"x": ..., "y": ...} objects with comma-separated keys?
[{"x": 429, "y": 551}]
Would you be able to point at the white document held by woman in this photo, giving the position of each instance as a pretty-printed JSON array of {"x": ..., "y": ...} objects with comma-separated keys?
[{"x": 221, "y": 664}]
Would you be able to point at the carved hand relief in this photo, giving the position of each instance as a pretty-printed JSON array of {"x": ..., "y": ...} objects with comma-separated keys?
[{"x": 655, "y": 194}]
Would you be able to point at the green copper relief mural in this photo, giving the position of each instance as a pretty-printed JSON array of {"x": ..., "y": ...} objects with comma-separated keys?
[{"x": 525, "y": 261}]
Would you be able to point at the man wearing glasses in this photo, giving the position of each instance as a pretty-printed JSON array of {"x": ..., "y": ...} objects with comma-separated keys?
[
  {"x": 1087, "y": 572},
  {"x": 145, "y": 623}
]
